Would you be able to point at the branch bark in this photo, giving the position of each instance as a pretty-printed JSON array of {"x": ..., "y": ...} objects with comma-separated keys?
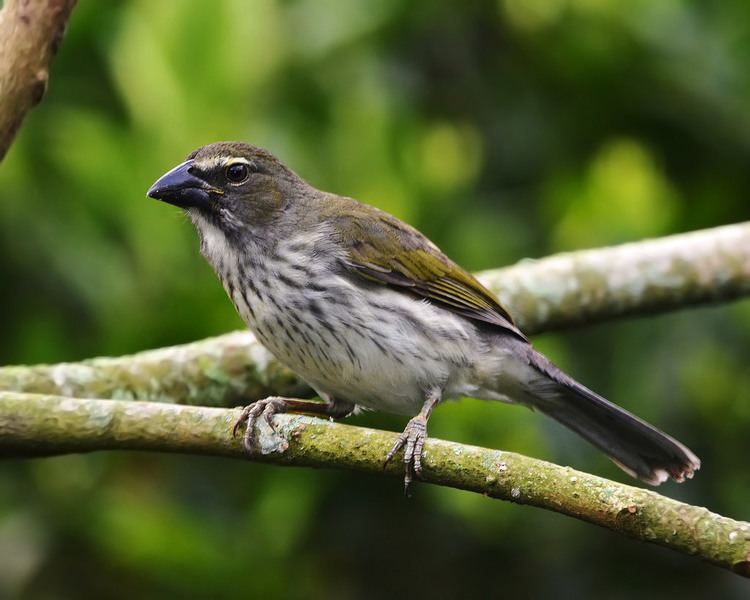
[
  {"x": 223, "y": 371},
  {"x": 563, "y": 290},
  {"x": 639, "y": 278},
  {"x": 30, "y": 34},
  {"x": 34, "y": 425}
]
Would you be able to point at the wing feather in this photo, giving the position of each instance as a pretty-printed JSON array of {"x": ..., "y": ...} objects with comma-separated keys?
[{"x": 390, "y": 252}]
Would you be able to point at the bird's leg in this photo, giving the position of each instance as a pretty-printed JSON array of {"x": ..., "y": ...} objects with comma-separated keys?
[
  {"x": 413, "y": 438},
  {"x": 273, "y": 405}
]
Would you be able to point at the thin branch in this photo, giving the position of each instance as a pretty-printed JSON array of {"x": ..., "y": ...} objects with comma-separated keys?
[
  {"x": 567, "y": 289},
  {"x": 30, "y": 34},
  {"x": 34, "y": 425}
]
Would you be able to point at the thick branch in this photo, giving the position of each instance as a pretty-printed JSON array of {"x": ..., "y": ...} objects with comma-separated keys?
[
  {"x": 566, "y": 289},
  {"x": 30, "y": 33},
  {"x": 34, "y": 425}
]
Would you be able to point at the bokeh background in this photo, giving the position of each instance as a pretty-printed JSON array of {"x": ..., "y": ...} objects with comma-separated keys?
[{"x": 503, "y": 130}]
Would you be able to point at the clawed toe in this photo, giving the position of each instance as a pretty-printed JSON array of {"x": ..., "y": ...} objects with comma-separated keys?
[
  {"x": 267, "y": 407},
  {"x": 242, "y": 419},
  {"x": 412, "y": 441}
]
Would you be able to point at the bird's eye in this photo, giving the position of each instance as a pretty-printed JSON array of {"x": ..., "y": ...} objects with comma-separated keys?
[{"x": 237, "y": 172}]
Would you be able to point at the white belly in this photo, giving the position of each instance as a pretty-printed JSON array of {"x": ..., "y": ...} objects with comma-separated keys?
[{"x": 380, "y": 351}]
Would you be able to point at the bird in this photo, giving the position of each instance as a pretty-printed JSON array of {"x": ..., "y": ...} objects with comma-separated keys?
[{"x": 372, "y": 315}]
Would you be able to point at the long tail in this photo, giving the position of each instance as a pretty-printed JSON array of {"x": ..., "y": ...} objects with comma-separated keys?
[{"x": 638, "y": 448}]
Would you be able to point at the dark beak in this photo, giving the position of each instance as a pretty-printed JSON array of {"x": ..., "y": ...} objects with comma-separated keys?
[{"x": 181, "y": 188}]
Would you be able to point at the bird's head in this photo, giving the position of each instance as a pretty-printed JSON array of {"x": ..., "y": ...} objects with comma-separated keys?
[{"x": 229, "y": 185}]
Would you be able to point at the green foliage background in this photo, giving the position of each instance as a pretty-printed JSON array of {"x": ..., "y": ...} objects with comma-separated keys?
[{"x": 503, "y": 130}]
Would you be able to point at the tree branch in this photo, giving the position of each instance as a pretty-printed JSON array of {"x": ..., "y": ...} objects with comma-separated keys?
[
  {"x": 639, "y": 278},
  {"x": 563, "y": 290},
  {"x": 223, "y": 371},
  {"x": 34, "y": 425},
  {"x": 30, "y": 34}
]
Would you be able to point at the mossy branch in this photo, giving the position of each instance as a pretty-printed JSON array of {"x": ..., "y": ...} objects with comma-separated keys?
[
  {"x": 30, "y": 34},
  {"x": 38, "y": 425},
  {"x": 559, "y": 291}
]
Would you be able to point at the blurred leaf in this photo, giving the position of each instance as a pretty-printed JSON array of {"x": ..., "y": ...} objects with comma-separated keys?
[{"x": 622, "y": 196}]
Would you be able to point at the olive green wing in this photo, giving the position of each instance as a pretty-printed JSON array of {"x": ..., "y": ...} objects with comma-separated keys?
[{"x": 381, "y": 248}]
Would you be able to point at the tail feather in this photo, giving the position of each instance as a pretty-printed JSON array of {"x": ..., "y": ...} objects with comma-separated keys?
[{"x": 637, "y": 447}]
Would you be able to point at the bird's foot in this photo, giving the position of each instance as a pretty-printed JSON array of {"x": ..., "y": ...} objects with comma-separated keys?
[
  {"x": 412, "y": 441},
  {"x": 266, "y": 408}
]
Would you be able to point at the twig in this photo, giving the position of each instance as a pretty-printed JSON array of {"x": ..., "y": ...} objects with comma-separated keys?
[{"x": 34, "y": 425}]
